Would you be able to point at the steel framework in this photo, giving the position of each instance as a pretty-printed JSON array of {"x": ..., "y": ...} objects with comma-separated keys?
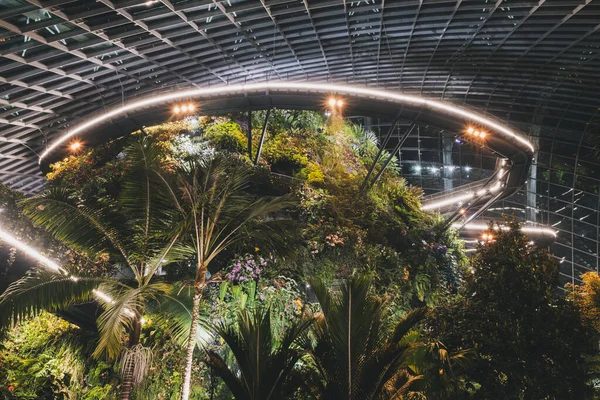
[{"x": 534, "y": 63}]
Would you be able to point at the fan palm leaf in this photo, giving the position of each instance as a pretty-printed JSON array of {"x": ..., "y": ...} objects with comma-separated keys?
[
  {"x": 174, "y": 308},
  {"x": 263, "y": 370},
  {"x": 355, "y": 353}
]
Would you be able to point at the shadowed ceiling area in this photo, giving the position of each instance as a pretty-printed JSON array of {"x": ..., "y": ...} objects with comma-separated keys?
[{"x": 534, "y": 64}]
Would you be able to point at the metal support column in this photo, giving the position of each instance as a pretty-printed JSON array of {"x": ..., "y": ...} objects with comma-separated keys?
[
  {"x": 262, "y": 137},
  {"x": 531, "y": 186},
  {"x": 250, "y": 134},
  {"x": 448, "y": 166}
]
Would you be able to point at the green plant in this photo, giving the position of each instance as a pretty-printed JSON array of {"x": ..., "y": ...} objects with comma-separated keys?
[
  {"x": 216, "y": 212},
  {"x": 47, "y": 357},
  {"x": 265, "y": 369},
  {"x": 529, "y": 344},
  {"x": 356, "y": 355},
  {"x": 226, "y": 135},
  {"x": 132, "y": 233}
]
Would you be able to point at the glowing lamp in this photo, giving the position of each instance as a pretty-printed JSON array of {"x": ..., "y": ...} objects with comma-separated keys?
[
  {"x": 75, "y": 146},
  {"x": 340, "y": 103},
  {"x": 332, "y": 102},
  {"x": 176, "y": 109}
]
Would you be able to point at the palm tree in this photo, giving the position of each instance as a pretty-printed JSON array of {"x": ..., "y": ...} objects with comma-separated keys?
[
  {"x": 441, "y": 369},
  {"x": 356, "y": 355},
  {"x": 131, "y": 231},
  {"x": 263, "y": 369},
  {"x": 217, "y": 212}
]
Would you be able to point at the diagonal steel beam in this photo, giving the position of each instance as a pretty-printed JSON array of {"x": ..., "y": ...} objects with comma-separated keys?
[
  {"x": 207, "y": 37},
  {"x": 241, "y": 30},
  {"x": 319, "y": 41},
  {"x": 262, "y": 137},
  {"x": 393, "y": 153},
  {"x": 165, "y": 39},
  {"x": 380, "y": 152},
  {"x": 283, "y": 35},
  {"x": 102, "y": 36}
]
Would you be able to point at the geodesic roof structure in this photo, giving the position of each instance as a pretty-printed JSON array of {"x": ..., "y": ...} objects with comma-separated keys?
[{"x": 532, "y": 63}]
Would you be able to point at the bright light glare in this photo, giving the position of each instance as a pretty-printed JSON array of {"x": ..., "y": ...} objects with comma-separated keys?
[
  {"x": 191, "y": 107},
  {"x": 184, "y": 108},
  {"x": 103, "y": 296},
  {"x": 14, "y": 242},
  {"x": 487, "y": 237},
  {"x": 470, "y": 129},
  {"x": 176, "y": 109},
  {"x": 75, "y": 146},
  {"x": 332, "y": 102},
  {"x": 31, "y": 252},
  {"x": 340, "y": 103},
  {"x": 300, "y": 87},
  {"x": 525, "y": 229},
  {"x": 448, "y": 201}
]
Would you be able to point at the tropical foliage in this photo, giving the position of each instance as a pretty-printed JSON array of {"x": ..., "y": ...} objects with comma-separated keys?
[
  {"x": 206, "y": 275},
  {"x": 509, "y": 313},
  {"x": 356, "y": 354}
]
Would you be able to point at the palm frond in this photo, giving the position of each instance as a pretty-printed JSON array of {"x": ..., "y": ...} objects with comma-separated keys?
[
  {"x": 175, "y": 309},
  {"x": 354, "y": 352},
  {"x": 407, "y": 323},
  {"x": 264, "y": 367},
  {"x": 87, "y": 229},
  {"x": 42, "y": 290},
  {"x": 220, "y": 367},
  {"x": 146, "y": 195},
  {"x": 117, "y": 318}
]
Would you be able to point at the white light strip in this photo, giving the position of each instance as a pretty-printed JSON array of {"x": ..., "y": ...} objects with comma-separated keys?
[
  {"x": 11, "y": 240},
  {"x": 445, "y": 202},
  {"x": 525, "y": 229},
  {"x": 103, "y": 296},
  {"x": 324, "y": 88},
  {"x": 31, "y": 252}
]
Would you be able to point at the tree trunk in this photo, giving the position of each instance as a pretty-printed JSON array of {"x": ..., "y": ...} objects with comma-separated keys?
[
  {"x": 134, "y": 339},
  {"x": 191, "y": 343}
]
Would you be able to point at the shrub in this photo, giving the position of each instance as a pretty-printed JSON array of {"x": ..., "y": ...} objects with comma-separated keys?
[{"x": 227, "y": 136}]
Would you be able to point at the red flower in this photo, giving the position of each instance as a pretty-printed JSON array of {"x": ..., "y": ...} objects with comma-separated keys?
[{"x": 11, "y": 388}]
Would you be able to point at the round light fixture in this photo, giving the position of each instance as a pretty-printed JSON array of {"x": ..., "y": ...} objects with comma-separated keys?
[{"x": 75, "y": 146}]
